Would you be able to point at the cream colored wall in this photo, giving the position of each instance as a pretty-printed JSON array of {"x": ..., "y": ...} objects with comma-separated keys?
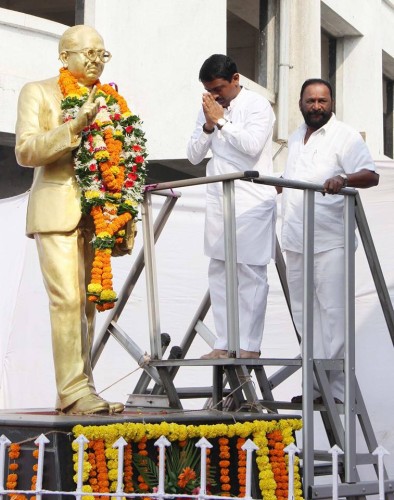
[
  {"x": 304, "y": 52},
  {"x": 28, "y": 47},
  {"x": 359, "y": 64},
  {"x": 159, "y": 45},
  {"x": 158, "y": 49}
]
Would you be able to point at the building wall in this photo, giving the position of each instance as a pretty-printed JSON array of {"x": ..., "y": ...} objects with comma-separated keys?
[
  {"x": 28, "y": 47},
  {"x": 158, "y": 50},
  {"x": 361, "y": 75},
  {"x": 158, "y": 47}
]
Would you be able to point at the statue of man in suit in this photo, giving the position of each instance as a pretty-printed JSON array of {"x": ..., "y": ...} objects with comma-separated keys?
[{"x": 45, "y": 140}]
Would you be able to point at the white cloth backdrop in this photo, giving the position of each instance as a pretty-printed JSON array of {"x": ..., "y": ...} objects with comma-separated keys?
[{"x": 27, "y": 379}]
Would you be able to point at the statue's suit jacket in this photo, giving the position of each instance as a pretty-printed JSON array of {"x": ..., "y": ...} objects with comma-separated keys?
[{"x": 43, "y": 141}]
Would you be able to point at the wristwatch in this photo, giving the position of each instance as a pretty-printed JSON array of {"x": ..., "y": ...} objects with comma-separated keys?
[
  {"x": 345, "y": 179},
  {"x": 221, "y": 123}
]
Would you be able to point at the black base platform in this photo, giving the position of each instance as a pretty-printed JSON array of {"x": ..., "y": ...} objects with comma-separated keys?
[{"x": 24, "y": 426}]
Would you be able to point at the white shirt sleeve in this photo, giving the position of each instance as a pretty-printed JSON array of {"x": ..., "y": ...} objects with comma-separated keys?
[
  {"x": 357, "y": 156},
  {"x": 199, "y": 143}
]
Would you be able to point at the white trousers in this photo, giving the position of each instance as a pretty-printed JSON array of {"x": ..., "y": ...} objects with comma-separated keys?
[
  {"x": 328, "y": 308},
  {"x": 252, "y": 302}
]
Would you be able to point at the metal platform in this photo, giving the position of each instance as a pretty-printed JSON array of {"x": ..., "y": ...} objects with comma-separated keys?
[{"x": 233, "y": 389}]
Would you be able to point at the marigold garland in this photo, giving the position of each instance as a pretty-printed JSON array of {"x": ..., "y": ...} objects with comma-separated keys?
[
  {"x": 267, "y": 435},
  {"x": 128, "y": 469},
  {"x": 98, "y": 470},
  {"x": 142, "y": 451},
  {"x": 12, "y": 478},
  {"x": 110, "y": 167},
  {"x": 241, "y": 466},
  {"x": 34, "y": 476},
  {"x": 224, "y": 455}
]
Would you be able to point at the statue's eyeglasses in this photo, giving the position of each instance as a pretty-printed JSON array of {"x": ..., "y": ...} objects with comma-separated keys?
[{"x": 92, "y": 54}]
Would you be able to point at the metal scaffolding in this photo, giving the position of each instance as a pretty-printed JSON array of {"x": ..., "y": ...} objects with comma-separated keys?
[{"x": 232, "y": 376}]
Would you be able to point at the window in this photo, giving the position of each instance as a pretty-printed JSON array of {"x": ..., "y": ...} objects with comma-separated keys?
[
  {"x": 68, "y": 12},
  {"x": 329, "y": 59},
  {"x": 252, "y": 40},
  {"x": 388, "y": 106}
]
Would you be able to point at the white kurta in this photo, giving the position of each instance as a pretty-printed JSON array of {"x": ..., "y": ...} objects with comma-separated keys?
[
  {"x": 331, "y": 150},
  {"x": 244, "y": 143}
]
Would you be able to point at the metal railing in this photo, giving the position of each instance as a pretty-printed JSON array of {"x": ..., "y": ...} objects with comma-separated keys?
[
  {"x": 352, "y": 211},
  {"x": 249, "y": 447}
]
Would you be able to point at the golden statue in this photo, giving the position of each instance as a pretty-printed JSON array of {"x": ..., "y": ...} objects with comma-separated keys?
[{"x": 89, "y": 159}]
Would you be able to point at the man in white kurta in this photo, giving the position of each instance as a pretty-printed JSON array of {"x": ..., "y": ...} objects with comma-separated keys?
[
  {"x": 325, "y": 151},
  {"x": 235, "y": 124}
]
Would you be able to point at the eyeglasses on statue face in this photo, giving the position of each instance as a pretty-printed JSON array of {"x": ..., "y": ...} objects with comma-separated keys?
[{"x": 92, "y": 54}]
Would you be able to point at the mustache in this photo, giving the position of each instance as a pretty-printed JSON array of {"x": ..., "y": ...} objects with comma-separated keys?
[{"x": 316, "y": 113}]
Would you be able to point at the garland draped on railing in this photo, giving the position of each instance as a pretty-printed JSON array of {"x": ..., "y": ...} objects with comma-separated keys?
[{"x": 226, "y": 461}]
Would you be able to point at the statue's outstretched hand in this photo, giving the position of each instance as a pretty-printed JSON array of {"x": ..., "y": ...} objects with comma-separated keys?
[{"x": 86, "y": 114}]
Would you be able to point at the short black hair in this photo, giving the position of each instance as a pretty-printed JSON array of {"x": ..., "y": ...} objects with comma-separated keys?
[
  {"x": 217, "y": 66},
  {"x": 312, "y": 81}
]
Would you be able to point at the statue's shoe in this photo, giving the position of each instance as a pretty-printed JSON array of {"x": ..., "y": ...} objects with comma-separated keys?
[
  {"x": 88, "y": 405},
  {"x": 115, "y": 407}
]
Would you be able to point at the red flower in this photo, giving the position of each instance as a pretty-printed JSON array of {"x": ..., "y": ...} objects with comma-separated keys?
[
  {"x": 92, "y": 167},
  {"x": 132, "y": 176},
  {"x": 129, "y": 184},
  {"x": 136, "y": 147},
  {"x": 139, "y": 159},
  {"x": 129, "y": 129}
]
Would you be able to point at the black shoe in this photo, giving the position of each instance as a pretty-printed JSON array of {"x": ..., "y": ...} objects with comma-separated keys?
[
  {"x": 316, "y": 401},
  {"x": 296, "y": 399},
  {"x": 319, "y": 401}
]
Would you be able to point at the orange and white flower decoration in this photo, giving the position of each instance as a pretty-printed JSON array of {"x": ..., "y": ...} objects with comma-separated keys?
[{"x": 110, "y": 167}]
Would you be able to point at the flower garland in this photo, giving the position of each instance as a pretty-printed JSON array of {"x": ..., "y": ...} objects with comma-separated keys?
[
  {"x": 12, "y": 479},
  {"x": 34, "y": 477},
  {"x": 142, "y": 452},
  {"x": 128, "y": 469},
  {"x": 273, "y": 478},
  {"x": 241, "y": 466},
  {"x": 14, "y": 452},
  {"x": 98, "y": 476},
  {"x": 278, "y": 461},
  {"x": 224, "y": 455},
  {"x": 110, "y": 167}
]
